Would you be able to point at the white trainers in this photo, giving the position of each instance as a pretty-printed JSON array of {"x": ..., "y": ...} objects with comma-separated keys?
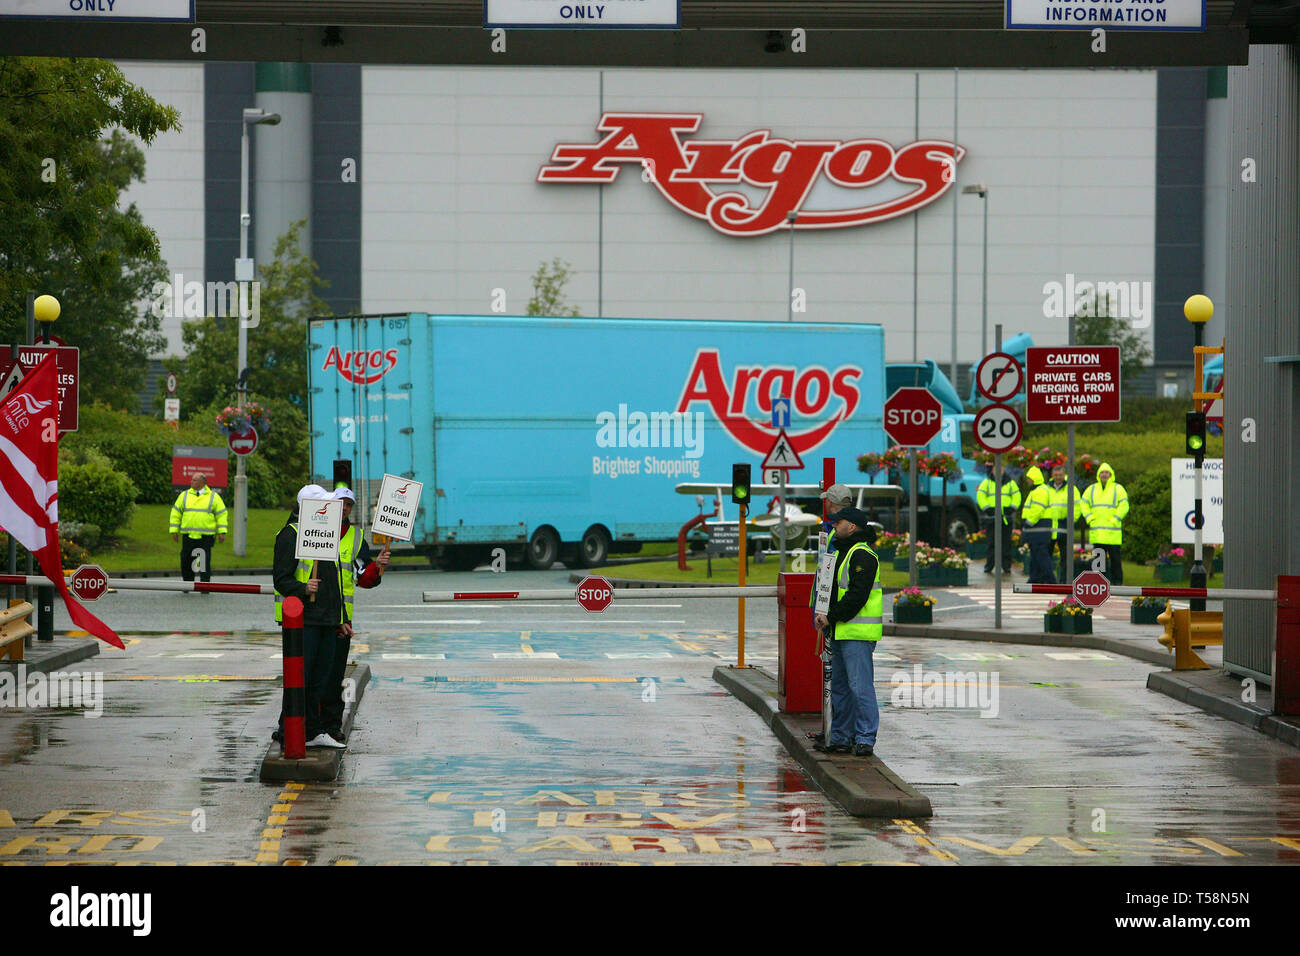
[{"x": 325, "y": 740}]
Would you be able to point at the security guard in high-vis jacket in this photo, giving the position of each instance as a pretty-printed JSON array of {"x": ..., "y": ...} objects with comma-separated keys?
[
  {"x": 1059, "y": 502},
  {"x": 855, "y": 621},
  {"x": 1036, "y": 527},
  {"x": 986, "y": 498},
  {"x": 1106, "y": 505},
  {"x": 198, "y": 518}
]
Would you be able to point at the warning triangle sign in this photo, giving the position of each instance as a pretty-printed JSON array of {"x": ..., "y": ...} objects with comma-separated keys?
[
  {"x": 12, "y": 380},
  {"x": 782, "y": 454}
]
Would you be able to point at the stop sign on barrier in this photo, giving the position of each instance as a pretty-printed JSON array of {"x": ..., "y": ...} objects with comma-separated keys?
[
  {"x": 1091, "y": 588},
  {"x": 89, "y": 582},
  {"x": 594, "y": 593}
]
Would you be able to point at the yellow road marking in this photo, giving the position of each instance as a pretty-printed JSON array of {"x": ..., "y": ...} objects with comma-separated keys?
[{"x": 919, "y": 836}]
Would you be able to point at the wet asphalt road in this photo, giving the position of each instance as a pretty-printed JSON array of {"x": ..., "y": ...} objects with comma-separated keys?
[{"x": 536, "y": 733}]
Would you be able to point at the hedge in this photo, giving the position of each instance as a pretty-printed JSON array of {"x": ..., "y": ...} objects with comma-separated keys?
[
  {"x": 1148, "y": 525},
  {"x": 96, "y": 494}
]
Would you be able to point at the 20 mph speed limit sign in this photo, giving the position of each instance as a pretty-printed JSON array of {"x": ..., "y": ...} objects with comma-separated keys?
[{"x": 997, "y": 428}]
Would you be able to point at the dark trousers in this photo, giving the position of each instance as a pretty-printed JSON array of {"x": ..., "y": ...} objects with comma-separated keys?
[
  {"x": 1040, "y": 556},
  {"x": 1114, "y": 565},
  {"x": 317, "y": 646},
  {"x": 331, "y": 703},
  {"x": 190, "y": 548},
  {"x": 1006, "y": 546}
]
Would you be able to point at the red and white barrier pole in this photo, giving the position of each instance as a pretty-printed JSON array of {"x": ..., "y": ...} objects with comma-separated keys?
[
  {"x": 150, "y": 584},
  {"x": 1213, "y": 594},
  {"x": 295, "y": 691},
  {"x": 568, "y": 594}
]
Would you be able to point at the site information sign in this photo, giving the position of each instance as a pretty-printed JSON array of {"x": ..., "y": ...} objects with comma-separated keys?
[
  {"x": 575, "y": 15},
  {"x": 68, "y": 361},
  {"x": 1079, "y": 384},
  {"x": 320, "y": 525},
  {"x": 191, "y": 460},
  {"x": 1109, "y": 15},
  {"x": 399, "y": 500},
  {"x": 1183, "y": 500},
  {"x": 171, "y": 10}
]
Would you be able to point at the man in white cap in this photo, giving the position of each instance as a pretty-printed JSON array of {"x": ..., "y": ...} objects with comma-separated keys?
[
  {"x": 359, "y": 571},
  {"x": 323, "y": 614}
]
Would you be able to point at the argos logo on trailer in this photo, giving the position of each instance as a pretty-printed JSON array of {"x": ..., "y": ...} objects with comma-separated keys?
[
  {"x": 818, "y": 393},
  {"x": 784, "y": 172},
  {"x": 361, "y": 367}
]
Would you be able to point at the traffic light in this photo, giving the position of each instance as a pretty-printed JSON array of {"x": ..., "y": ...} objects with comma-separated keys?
[
  {"x": 740, "y": 484},
  {"x": 342, "y": 473},
  {"x": 1196, "y": 434}
]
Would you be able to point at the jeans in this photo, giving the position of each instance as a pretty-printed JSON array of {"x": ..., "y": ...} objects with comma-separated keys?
[
  {"x": 331, "y": 701},
  {"x": 855, "y": 713}
]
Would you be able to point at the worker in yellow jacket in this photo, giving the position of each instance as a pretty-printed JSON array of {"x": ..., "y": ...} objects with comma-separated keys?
[
  {"x": 1106, "y": 505},
  {"x": 198, "y": 518}
]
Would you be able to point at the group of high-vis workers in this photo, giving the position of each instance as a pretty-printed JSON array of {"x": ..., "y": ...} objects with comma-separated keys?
[{"x": 1044, "y": 517}]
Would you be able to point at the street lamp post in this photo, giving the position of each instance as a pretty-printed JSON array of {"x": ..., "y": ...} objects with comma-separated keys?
[
  {"x": 981, "y": 190},
  {"x": 244, "y": 275},
  {"x": 1198, "y": 310}
]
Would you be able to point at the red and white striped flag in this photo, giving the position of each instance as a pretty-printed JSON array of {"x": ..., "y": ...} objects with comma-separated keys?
[{"x": 29, "y": 482}]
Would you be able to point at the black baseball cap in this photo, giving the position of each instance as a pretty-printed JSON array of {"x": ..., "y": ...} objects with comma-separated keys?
[{"x": 856, "y": 515}]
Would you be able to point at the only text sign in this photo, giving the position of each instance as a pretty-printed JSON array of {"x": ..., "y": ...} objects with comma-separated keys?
[
  {"x": 320, "y": 525},
  {"x": 395, "y": 511},
  {"x": 1079, "y": 384}
]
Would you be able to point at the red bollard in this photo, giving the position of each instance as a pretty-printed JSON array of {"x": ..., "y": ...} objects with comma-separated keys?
[
  {"x": 295, "y": 692},
  {"x": 1286, "y": 674}
]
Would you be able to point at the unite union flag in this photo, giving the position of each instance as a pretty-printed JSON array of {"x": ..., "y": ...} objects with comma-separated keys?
[{"x": 29, "y": 482}]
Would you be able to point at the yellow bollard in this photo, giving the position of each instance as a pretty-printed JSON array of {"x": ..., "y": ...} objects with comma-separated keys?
[{"x": 1182, "y": 626}]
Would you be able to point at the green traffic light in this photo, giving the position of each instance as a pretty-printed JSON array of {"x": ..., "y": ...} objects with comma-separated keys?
[
  {"x": 742, "y": 492},
  {"x": 1196, "y": 442}
]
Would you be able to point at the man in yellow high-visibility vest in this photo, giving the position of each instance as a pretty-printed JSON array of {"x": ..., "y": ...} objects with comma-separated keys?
[
  {"x": 1106, "y": 505},
  {"x": 198, "y": 517},
  {"x": 853, "y": 623}
]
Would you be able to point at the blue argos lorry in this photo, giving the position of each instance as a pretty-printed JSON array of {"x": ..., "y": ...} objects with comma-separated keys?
[{"x": 565, "y": 438}]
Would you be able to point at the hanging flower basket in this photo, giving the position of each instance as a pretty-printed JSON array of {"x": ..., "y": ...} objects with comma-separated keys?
[{"x": 234, "y": 421}]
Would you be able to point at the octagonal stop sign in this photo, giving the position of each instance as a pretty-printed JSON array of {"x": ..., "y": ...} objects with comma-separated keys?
[
  {"x": 594, "y": 593},
  {"x": 89, "y": 582},
  {"x": 1091, "y": 589},
  {"x": 913, "y": 416}
]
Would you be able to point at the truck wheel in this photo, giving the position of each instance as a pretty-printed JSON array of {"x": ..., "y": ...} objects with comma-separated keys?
[
  {"x": 594, "y": 548},
  {"x": 543, "y": 549},
  {"x": 962, "y": 523}
]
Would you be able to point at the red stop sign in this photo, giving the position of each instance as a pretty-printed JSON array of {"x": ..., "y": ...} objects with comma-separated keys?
[
  {"x": 89, "y": 582},
  {"x": 912, "y": 416},
  {"x": 1091, "y": 589},
  {"x": 595, "y": 593}
]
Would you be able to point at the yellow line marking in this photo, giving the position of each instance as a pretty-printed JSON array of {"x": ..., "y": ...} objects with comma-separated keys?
[
  {"x": 269, "y": 845},
  {"x": 288, "y": 795},
  {"x": 282, "y": 808},
  {"x": 272, "y": 833},
  {"x": 525, "y": 641},
  {"x": 268, "y": 858},
  {"x": 919, "y": 836},
  {"x": 278, "y": 818}
]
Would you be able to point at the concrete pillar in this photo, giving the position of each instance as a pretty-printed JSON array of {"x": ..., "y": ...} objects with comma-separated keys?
[{"x": 282, "y": 156}]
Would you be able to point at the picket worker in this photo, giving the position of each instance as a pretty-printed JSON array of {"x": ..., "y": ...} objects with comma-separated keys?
[
  {"x": 1106, "y": 506},
  {"x": 359, "y": 571},
  {"x": 319, "y": 585},
  {"x": 198, "y": 517},
  {"x": 837, "y": 497},
  {"x": 986, "y": 498},
  {"x": 1059, "y": 498},
  {"x": 1036, "y": 528},
  {"x": 853, "y": 624}
]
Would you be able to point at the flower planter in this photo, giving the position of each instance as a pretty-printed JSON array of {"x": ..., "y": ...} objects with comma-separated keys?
[
  {"x": 900, "y": 563},
  {"x": 1169, "y": 573},
  {"x": 913, "y": 614},
  {"x": 1067, "y": 623},
  {"x": 1218, "y": 566},
  {"x": 1144, "y": 615},
  {"x": 977, "y": 550},
  {"x": 885, "y": 554},
  {"x": 942, "y": 577}
]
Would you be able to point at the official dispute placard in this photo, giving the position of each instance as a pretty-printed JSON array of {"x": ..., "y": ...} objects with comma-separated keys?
[
  {"x": 320, "y": 525},
  {"x": 395, "y": 511},
  {"x": 1079, "y": 384}
]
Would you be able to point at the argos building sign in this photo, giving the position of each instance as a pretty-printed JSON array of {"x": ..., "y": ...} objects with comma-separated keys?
[{"x": 692, "y": 174}]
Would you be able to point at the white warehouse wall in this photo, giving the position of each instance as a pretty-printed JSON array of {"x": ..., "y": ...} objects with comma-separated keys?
[{"x": 451, "y": 210}]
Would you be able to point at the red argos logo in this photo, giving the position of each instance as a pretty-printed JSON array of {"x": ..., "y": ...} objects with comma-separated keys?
[
  {"x": 687, "y": 173},
  {"x": 361, "y": 368},
  {"x": 815, "y": 390}
]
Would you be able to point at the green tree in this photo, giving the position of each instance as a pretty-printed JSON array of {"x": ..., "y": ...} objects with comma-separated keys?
[
  {"x": 277, "y": 356},
  {"x": 548, "y": 290},
  {"x": 1096, "y": 323},
  {"x": 67, "y": 159}
]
